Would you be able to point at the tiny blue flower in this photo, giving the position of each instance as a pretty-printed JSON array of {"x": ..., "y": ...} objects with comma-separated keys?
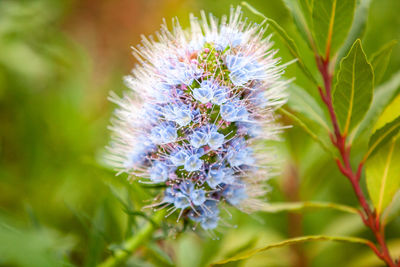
[
  {"x": 169, "y": 134},
  {"x": 199, "y": 138},
  {"x": 240, "y": 157},
  {"x": 205, "y": 93},
  {"x": 209, "y": 223},
  {"x": 210, "y": 208},
  {"x": 235, "y": 194},
  {"x": 198, "y": 197},
  {"x": 243, "y": 69},
  {"x": 159, "y": 172},
  {"x": 180, "y": 73},
  {"x": 193, "y": 163},
  {"x": 228, "y": 112},
  {"x": 169, "y": 195},
  {"x": 220, "y": 96},
  {"x": 216, "y": 140},
  {"x": 215, "y": 177},
  {"x": 183, "y": 116},
  {"x": 186, "y": 187},
  {"x": 233, "y": 36},
  {"x": 241, "y": 114},
  {"x": 178, "y": 158},
  {"x": 181, "y": 201}
]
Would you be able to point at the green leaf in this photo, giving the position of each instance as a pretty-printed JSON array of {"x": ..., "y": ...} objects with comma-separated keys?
[
  {"x": 380, "y": 60},
  {"x": 383, "y": 174},
  {"x": 353, "y": 92},
  {"x": 331, "y": 22},
  {"x": 357, "y": 29},
  {"x": 301, "y": 101},
  {"x": 306, "y": 7},
  {"x": 290, "y": 44},
  {"x": 299, "y": 19},
  {"x": 248, "y": 254},
  {"x": 383, "y": 95},
  {"x": 367, "y": 258},
  {"x": 157, "y": 253},
  {"x": 391, "y": 112},
  {"x": 299, "y": 206},
  {"x": 382, "y": 136},
  {"x": 307, "y": 130},
  {"x": 393, "y": 210}
]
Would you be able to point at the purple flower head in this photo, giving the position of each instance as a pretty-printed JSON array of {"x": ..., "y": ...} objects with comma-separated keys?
[{"x": 202, "y": 100}]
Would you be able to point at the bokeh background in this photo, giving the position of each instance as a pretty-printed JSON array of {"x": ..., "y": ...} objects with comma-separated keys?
[{"x": 59, "y": 206}]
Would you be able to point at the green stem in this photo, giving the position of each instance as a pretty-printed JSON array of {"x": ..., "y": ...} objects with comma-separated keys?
[{"x": 121, "y": 255}]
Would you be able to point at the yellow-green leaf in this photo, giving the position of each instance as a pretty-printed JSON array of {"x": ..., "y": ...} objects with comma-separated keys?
[
  {"x": 389, "y": 114},
  {"x": 383, "y": 174},
  {"x": 299, "y": 206},
  {"x": 250, "y": 253},
  {"x": 382, "y": 136},
  {"x": 353, "y": 92},
  {"x": 332, "y": 20}
]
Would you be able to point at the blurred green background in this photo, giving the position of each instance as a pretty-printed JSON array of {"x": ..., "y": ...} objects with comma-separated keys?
[{"x": 59, "y": 59}]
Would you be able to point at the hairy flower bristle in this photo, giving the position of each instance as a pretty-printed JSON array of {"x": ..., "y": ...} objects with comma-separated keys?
[{"x": 203, "y": 100}]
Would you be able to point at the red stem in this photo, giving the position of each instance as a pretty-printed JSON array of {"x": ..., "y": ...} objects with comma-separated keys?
[{"x": 370, "y": 218}]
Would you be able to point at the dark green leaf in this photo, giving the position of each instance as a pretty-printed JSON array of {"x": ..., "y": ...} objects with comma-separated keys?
[
  {"x": 383, "y": 174},
  {"x": 380, "y": 60},
  {"x": 331, "y": 22},
  {"x": 248, "y": 254},
  {"x": 353, "y": 92}
]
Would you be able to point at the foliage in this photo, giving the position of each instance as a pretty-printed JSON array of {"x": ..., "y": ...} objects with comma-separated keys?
[{"x": 62, "y": 207}]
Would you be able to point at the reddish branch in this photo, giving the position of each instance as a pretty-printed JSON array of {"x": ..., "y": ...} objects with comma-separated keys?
[{"x": 369, "y": 217}]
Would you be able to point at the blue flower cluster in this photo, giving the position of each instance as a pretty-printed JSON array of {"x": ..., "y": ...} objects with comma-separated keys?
[{"x": 200, "y": 103}]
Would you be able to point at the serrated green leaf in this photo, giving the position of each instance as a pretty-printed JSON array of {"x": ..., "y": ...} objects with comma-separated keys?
[
  {"x": 248, "y": 254},
  {"x": 382, "y": 136},
  {"x": 353, "y": 92},
  {"x": 299, "y": 206},
  {"x": 358, "y": 27},
  {"x": 331, "y": 22},
  {"x": 380, "y": 60},
  {"x": 290, "y": 44},
  {"x": 383, "y": 174},
  {"x": 383, "y": 95}
]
